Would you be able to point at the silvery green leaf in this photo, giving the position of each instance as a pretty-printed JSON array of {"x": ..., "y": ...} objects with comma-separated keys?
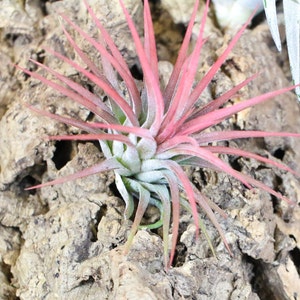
[
  {"x": 270, "y": 11},
  {"x": 292, "y": 27},
  {"x": 151, "y": 177},
  {"x": 105, "y": 148},
  {"x": 146, "y": 148},
  {"x": 131, "y": 160},
  {"x": 127, "y": 197}
]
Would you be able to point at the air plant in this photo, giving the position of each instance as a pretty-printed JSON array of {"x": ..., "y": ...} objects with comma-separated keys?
[{"x": 149, "y": 136}]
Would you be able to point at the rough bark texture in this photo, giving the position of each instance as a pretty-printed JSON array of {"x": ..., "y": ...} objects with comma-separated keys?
[{"x": 65, "y": 241}]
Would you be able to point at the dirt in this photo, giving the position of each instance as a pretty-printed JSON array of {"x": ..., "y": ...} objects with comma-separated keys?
[{"x": 66, "y": 241}]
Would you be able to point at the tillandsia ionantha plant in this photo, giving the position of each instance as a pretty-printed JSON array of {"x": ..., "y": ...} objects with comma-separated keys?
[
  {"x": 232, "y": 13},
  {"x": 148, "y": 137}
]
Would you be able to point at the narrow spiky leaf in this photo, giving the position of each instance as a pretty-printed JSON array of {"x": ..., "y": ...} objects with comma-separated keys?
[{"x": 104, "y": 166}]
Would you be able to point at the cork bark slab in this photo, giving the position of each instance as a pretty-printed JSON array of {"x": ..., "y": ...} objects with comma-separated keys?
[{"x": 66, "y": 241}]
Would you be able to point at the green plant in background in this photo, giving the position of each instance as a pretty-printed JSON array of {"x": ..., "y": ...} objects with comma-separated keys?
[
  {"x": 149, "y": 133},
  {"x": 231, "y": 13},
  {"x": 291, "y": 10}
]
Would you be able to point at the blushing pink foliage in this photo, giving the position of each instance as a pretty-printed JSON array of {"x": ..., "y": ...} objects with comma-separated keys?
[{"x": 149, "y": 137}]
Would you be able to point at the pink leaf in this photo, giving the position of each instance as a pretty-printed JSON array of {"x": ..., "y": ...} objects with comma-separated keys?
[
  {"x": 69, "y": 121},
  {"x": 215, "y": 136},
  {"x": 104, "y": 166},
  {"x": 179, "y": 102},
  {"x": 216, "y": 66},
  {"x": 96, "y": 109},
  {"x": 203, "y": 203},
  {"x": 239, "y": 152},
  {"x": 149, "y": 44},
  {"x": 144, "y": 198},
  {"x": 119, "y": 67},
  {"x": 171, "y": 87},
  {"x": 204, "y": 154},
  {"x": 174, "y": 142},
  {"x": 107, "y": 88},
  {"x": 154, "y": 96},
  {"x": 215, "y": 117},
  {"x": 114, "y": 50},
  {"x": 209, "y": 157},
  {"x": 215, "y": 104},
  {"x": 187, "y": 187},
  {"x": 174, "y": 190},
  {"x": 93, "y": 137}
]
